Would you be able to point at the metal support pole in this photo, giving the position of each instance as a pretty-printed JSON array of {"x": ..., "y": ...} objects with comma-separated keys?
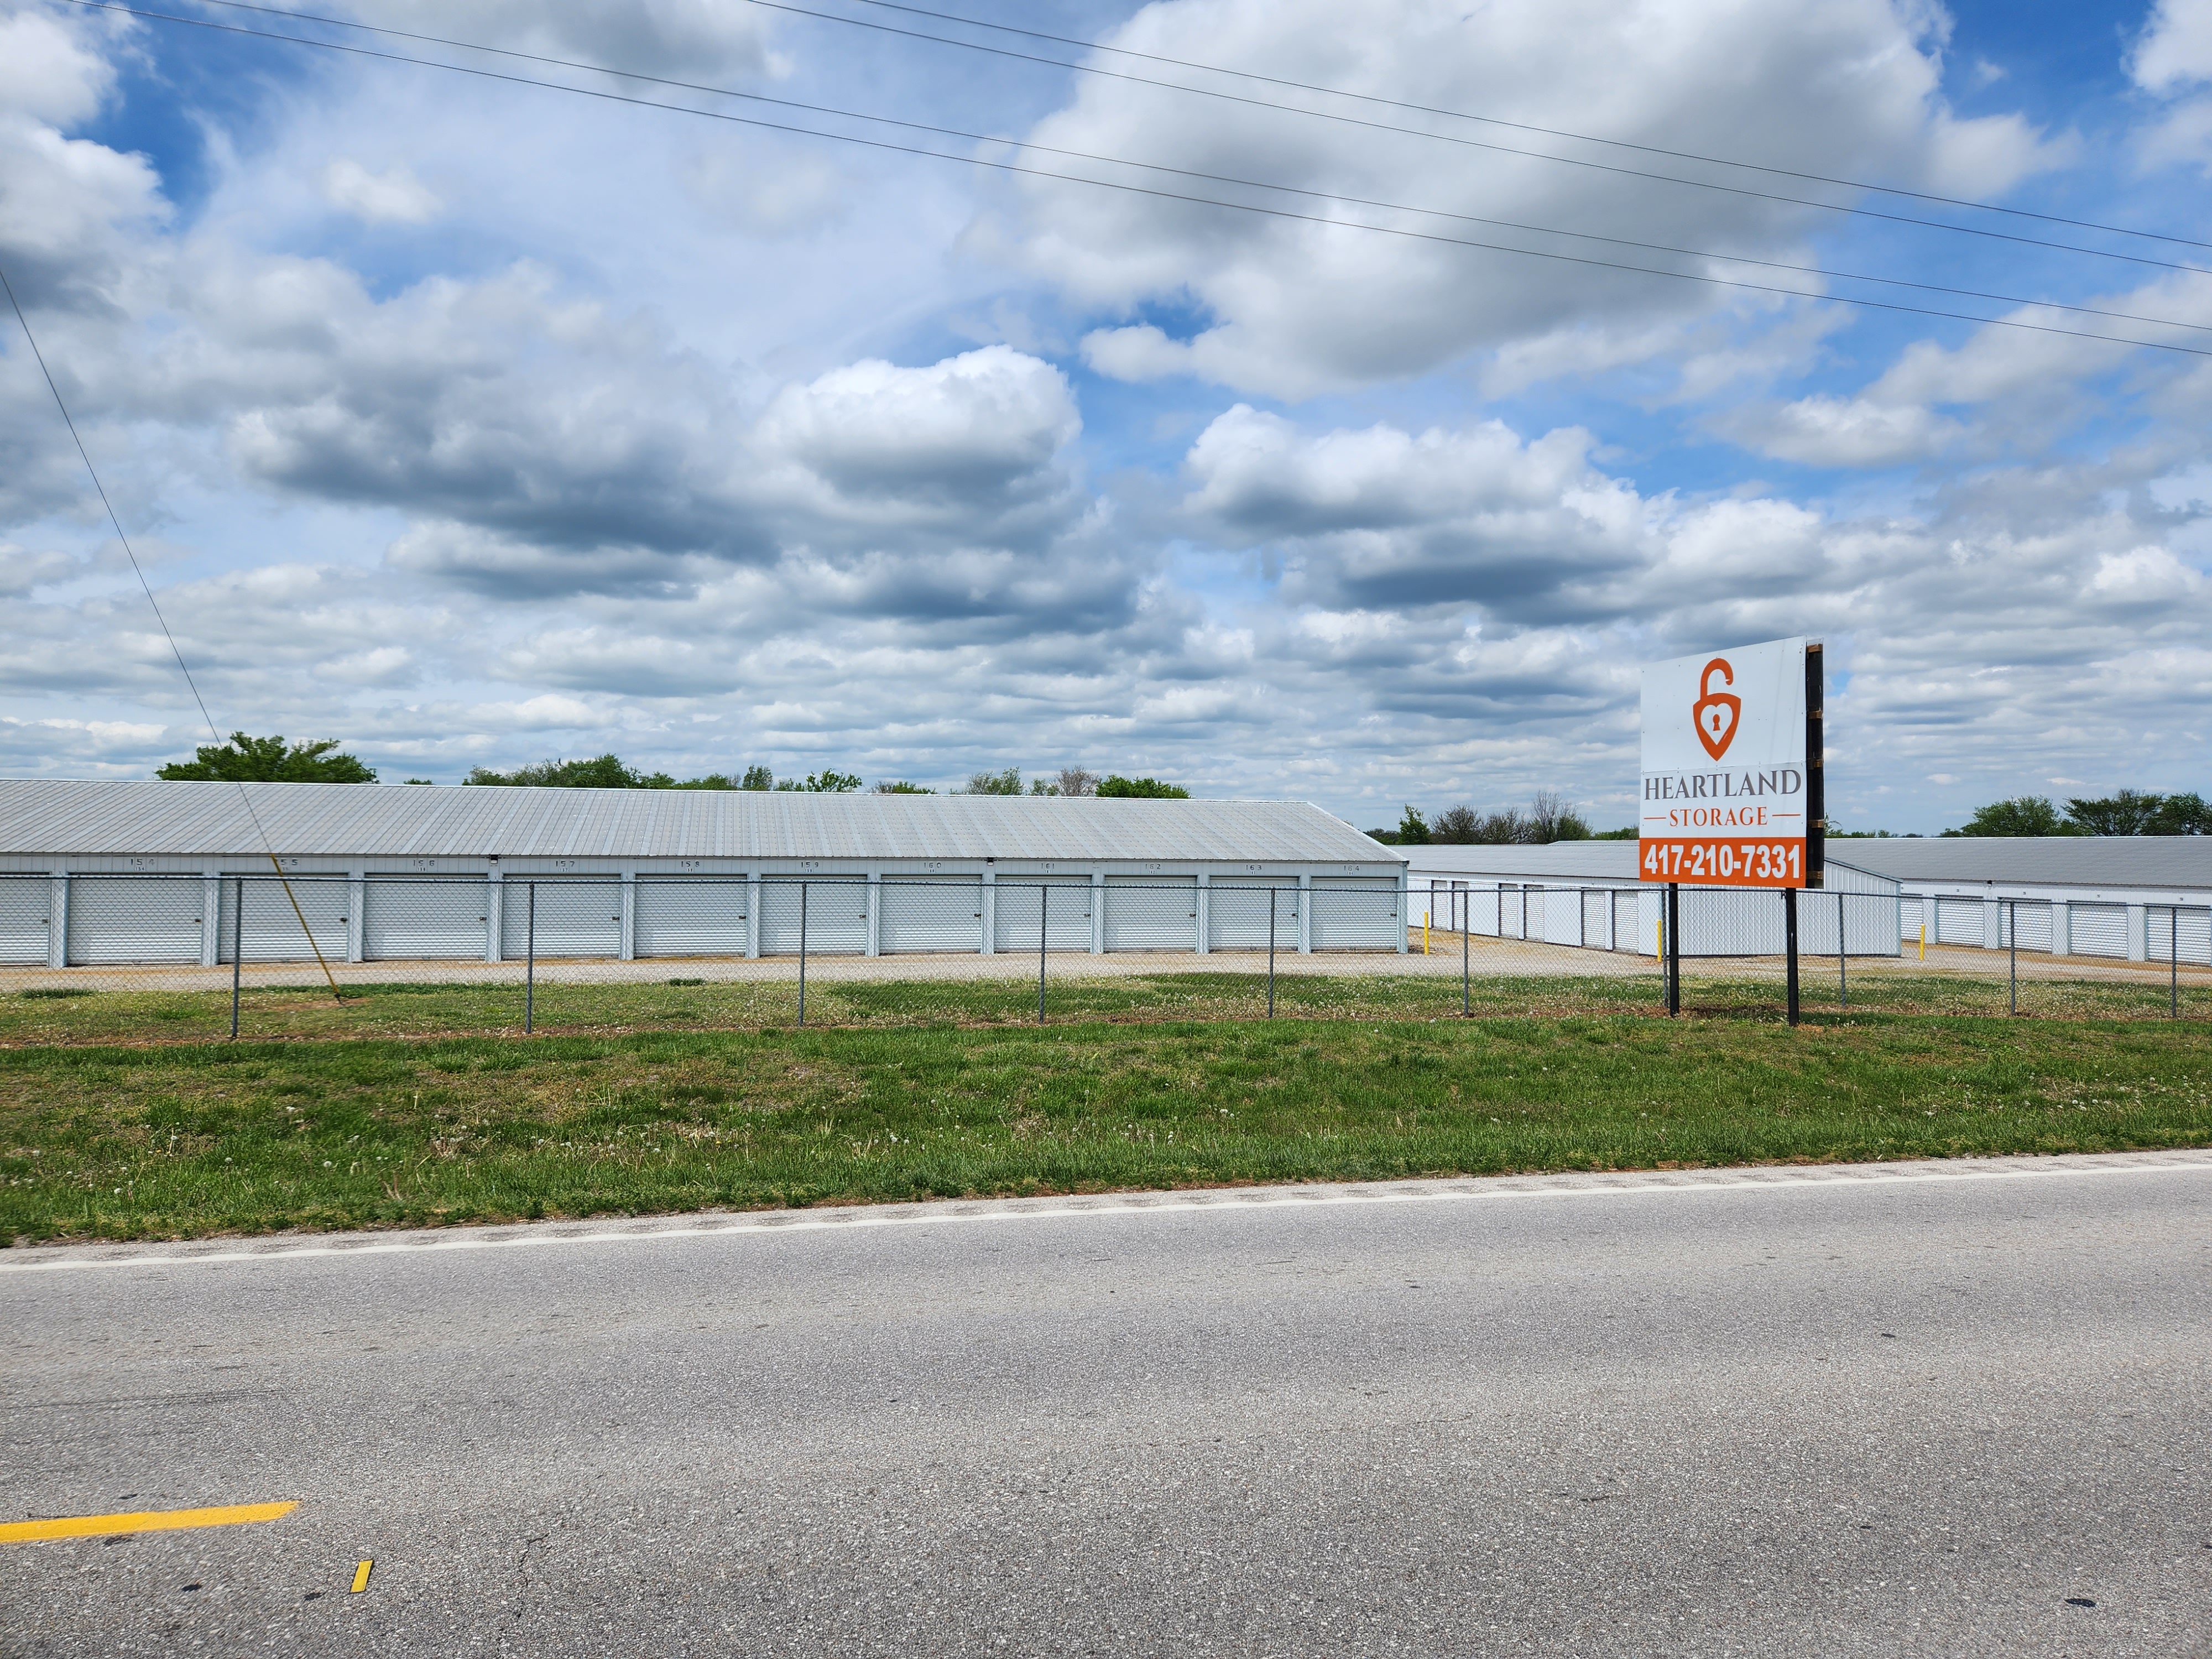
[
  {"x": 1674, "y": 929},
  {"x": 1466, "y": 963},
  {"x": 802, "y": 953},
  {"x": 530, "y": 965},
  {"x": 1044, "y": 902},
  {"x": 2174, "y": 963},
  {"x": 2011, "y": 942},
  {"x": 1790, "y": 944},
  {"x": 237, "y": 948},
  {"x": 1843, "y": 966},
  {"x": 1270, "y": 953}
]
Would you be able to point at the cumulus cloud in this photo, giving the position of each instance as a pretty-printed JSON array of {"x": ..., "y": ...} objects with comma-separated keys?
[
  {"x": 392, "y": 197},
  {"x": 1291, "y": 309}
]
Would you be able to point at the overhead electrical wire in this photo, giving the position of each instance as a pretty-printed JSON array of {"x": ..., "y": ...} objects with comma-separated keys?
[
  {"x": 1528, "y": 127},
  {"x": 1214, "y": 178},
  {"x": 1139, "y": 189},
  {"x": 138, "y": 570},
  {"x": 1209, "y": 92}
]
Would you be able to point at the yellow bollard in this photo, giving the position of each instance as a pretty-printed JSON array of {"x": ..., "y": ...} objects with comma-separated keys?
[
  {"x": 1923, "y": 941},
  {"x": 1424, "y": 933}
]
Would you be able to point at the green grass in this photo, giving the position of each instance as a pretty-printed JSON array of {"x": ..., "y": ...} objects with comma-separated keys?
[{"x": 929, "y": 1099}]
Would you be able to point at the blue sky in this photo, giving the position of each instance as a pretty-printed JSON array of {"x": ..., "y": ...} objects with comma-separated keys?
[{"x": 474, "y": 423}]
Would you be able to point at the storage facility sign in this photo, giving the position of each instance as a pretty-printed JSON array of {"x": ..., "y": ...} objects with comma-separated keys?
[{"x": 1732, "y": 767}]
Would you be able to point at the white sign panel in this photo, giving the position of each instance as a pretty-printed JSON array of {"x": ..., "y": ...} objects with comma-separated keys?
[{"x": 1728, "y": 782}]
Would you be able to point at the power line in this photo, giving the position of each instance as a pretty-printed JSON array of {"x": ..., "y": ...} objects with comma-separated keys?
[
  {"x": 1163, "y": 195},
  {"x": 1450, "y": 138},
  {"x": 1185, "y": 172},
  {"x": 154, "y": 604},
  {"x": 1527, "y": 126}
]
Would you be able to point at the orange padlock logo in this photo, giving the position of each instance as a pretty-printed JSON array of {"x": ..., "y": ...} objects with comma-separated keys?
[{"x": 1718, "y": 713}]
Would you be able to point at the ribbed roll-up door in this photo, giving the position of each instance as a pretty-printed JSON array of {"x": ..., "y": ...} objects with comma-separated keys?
[
  {"x": 1236, "y": 917},
  {"x": 1959, "y": 921},
  {"x": 2032, "y": 921},
  {"x": 836, "y": 918},
  {"x": 1911, "y": 918},
  {"x": 25, "y": 917},
  {"x": 689, "y": 916},
  {"x": 1149, "y": 912},
  {"x": 1628, "y": 922},
  {"x": 1594, "y": 909},
  {"x": 930, "y": 915},
  {"x": 2100, "y": 930},
  {"x": 1067, "y": 916},
  {"x": 1562, "y": 916},
  {"x": 1360, "y": 913},
  {"x": 272, "y": 930},
  {"x": 414, "y": 920},
  {"x": 575, "y": 918},
  {"x": 2196, "y": 942},
  {"x": 118, "y": 919}
]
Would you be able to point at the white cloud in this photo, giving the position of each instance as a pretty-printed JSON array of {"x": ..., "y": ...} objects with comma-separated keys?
[{"x": 393, "y": 197}]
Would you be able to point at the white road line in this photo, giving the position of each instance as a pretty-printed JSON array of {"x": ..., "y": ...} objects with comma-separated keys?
[{"x": 1215, "y": 1200}]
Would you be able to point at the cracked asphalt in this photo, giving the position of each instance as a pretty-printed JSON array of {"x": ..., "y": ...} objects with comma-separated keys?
[{"x": 1898, "y": 1411}]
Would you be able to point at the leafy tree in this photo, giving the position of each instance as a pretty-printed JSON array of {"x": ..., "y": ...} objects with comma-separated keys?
[
  {"x": 1073, "y": 781},
  {"x": 1550, "y": 819},
  {"x": 2023, "y": 815},
  {"x": 1413, "y": 828},
  {"x": 1008, "y": 783},
  {"x": 1388, "y": 837},
  {"x": 1629, "y": 834},
  {"x": 1456, "y": 826},
  {"x": 903, "y": 788},
  {"x": 2130, "y": 812},
  {"x": 828, "y": 781},
  {"x": 1118, "y": 787},
  {"x": 407, "y": 781},
  {"x": 2183, "y": 815},
  {"x": 758, "y": 777},
  {"x": 268, "y": 760},
  {"x": 602, "y": 771}
]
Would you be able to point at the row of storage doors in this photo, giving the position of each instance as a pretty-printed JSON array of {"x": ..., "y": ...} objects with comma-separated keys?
[
  {"x": 2094, "y": 930},
  {"x": 121, "y": 919}
]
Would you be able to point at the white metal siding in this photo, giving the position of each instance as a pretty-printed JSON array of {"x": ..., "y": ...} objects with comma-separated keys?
[
  {"x": 1236, "y": 917},
  {"x": 1068, "y": 914},
  {"x": 686, "y": 917},
  {"x": 414, "y": 920},
  {"x": 836, "y": 918},
  {"x": 272, "y": 928},
  {"x": 26, "y": 917},
  {"x": 1355, "y": 913},
  {"x": 2100, "y": 930},
  {"x": 124, "y": 919},
  {"x": 944, "y": 916}
]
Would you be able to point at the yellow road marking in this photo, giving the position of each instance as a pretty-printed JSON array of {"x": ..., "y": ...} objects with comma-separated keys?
[
  {"x": 94, "y": 1526},
  {"x": 361, "y": 1577}
]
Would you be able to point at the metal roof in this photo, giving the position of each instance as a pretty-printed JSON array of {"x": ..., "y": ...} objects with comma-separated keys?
[
  {"x": 2153, "y": 861},
  {"x": 59, "y": 818}
]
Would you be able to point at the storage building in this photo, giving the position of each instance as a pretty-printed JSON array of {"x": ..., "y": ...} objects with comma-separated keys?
[{"x": 94, "y": 873}]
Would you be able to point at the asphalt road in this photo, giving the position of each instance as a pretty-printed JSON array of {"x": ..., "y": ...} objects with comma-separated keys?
[{"x": 1925, "y": 1410}]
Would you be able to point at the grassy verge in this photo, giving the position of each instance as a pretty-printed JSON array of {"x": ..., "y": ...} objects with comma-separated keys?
[
  {"x": 188, "y": 1138},
  {"x": 433, "y": 1010}
]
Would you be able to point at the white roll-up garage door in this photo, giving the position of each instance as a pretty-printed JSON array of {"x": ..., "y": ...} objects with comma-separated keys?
[
  {"x": 688, "y": 916},
  {"x": 930, "y": 915},
  {"x": 836, "y": 918},
  {"x": 575, "y": 918},
  {"x": 2100, "y": 930},
  {"x": 2031, "y": 920},
  {"x": 1147, "y": 913},
  {"x": 1960, "y": 922},
  {"x": 26, "y": 917},
  {"x": 1360, "y": 913},
  {"x": 272, "y": 928},
  {"x": 1236, "y": 916},
  {"x": 119, "y": 918},
  {"x": 404, "y": 920},
  {"x": 2195, "y": 943},
  {"x": 1068, "y": 914}
]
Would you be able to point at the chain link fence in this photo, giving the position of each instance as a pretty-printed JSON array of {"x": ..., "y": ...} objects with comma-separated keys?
[{"x": 148, "y": 956}]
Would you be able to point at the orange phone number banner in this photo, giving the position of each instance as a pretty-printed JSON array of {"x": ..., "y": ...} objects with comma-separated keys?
[{"x": 1779, "y": 862}]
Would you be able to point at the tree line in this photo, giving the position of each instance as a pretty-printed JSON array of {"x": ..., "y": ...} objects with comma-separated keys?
[
  {"x": 273, "y": 760},
  {"x": 2126, "y": 812},
  {"x": 1548, "y": 819}
]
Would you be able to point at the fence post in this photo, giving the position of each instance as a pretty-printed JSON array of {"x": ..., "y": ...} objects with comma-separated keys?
[
  {"x": 1842, "y": 964},
  {"x": 530, "y": 964},
  {"x": 802, "y": 953},
  {"x": 1790, "y": 944},
  {"x": 2174, "y": 963},
  {"x": 1044, "y": 903},
  {"x": 2012, "y": 944},
  {"x": 1466, "y": 963},
  {"x": 1271, "y": 952},
  {"x": 237, "y": 949}
]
